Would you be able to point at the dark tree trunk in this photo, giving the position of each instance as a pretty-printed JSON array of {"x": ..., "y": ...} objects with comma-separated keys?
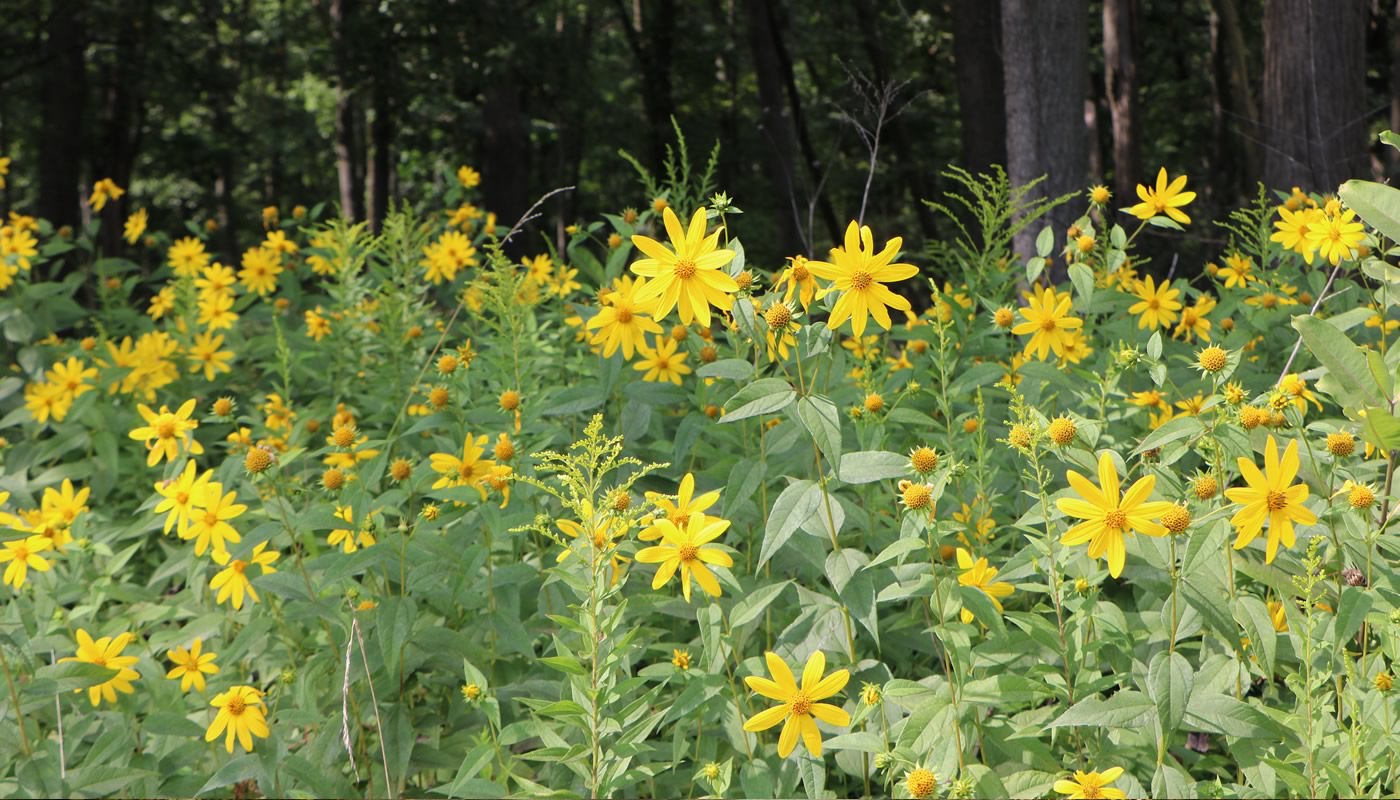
[
  {"x": 777, "y": 128},
  {"x": 650, "y": 37},
  {"x": 1237, "y": 112},
  {"x": 1393, "y": 154},
  {"x": 381, "y": 135},
  {"x": 821, "y": 203},
  {"x": 1121, "y": 91},
  {"x": 347, "y": 154},
  {"x": 1047, "y": 79},
  {"x": 61, "y": 112},
  {"x": 1314, "y": 93},
  {"x": 977, "y": 57},
  {"x": 505, "y": 163},
  {"x": 124, "y": 114},
  {"x": 904, "y": 164}
]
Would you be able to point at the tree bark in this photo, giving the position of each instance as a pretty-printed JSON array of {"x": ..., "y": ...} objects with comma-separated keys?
[
  {"x": 348, "y": 173},
  {"x": 650, "y": 38},
  {"x": 505, "y": 162},
  {"x": 1047, "y": 79},
  {"x": 1236, "y": 109},
  {"x": 381, "y": 129},
  {"x": 903, "y": 164},
  {"x": 1121, "y": 91},
  {"x": 777, "y": 128},
  {"x": 1314, "y": 93},
  {"x": 1393, "y": 154},
  {"x": 124, "y": 121},
  {"x": 977, "y": 61},
  {"x": 62, "y": 108}
]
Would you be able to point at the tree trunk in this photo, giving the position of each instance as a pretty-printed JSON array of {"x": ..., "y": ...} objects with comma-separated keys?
[
  {"x": 1047, "y": 79},
  {"x": 124, "y": 120},
  {"x": 777, "y": 128},
  {"x": 381, "y": 134},
  {"x": 505, "y": 166},
  {"x": 977, "y": 58},
  {"x": 61, "y": 113},
  {"x": 904, "y": 164},
  {"x": 1120, "y": 89},
  {"x": 1393, "y": 153},
  {"x": 1237, "y": 114},
  {"x": 350, "y": 175},
  {"x": 650, "y": 37},
  {"x": 1314, "y": 93}
]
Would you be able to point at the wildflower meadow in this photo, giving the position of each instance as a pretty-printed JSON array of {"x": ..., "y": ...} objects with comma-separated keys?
[{"x": 1087, "y": 496}]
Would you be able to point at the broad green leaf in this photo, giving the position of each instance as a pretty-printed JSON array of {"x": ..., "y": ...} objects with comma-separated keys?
[
  {"x": 860, "y": 741},
  {"x": 869, "y": 466},
  {"x": 734, "y": 369},
  {"x": 1218, "y": 713},
  {"x": 1083, "y": 279},
  {"x": 241, "y": 768},
  {"x": 1376, "y": 203},
  {"x": 1045, "y": 241},
  {"x": 753, "y": 604},
  {"x": 1169, "y": 680},
  {"x": 1126, "y": 709},
  {"x": 1351, "y": 613},
  {"x": 822, "y": 419},
  {"x": 1254, "y": 617},
  {"x": 565, "y": 664},
  {"x": 1381, "y": 428},
  {"x": 1179, "y": 428},
  {"x": 1351, "y": 382},
  {"x": 792, "y": 508},
  {"x": 763, "y": 396}
]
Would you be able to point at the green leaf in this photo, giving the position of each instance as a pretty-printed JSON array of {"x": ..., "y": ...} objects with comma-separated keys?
[
  {"x": 1351, "y": 382},
  {"x": 900, "y": 547},
  {"x": 1083, "y": 279},
  {"x": 792, "y": 508},
  {"x": 1377, "y": 204},
  {"x": 1154, "y": 346},
  {"x": 564, "y": 664},
  {"x": 821, "y": 418},
  {"x": 752, "y": 606},
  {"x": 1218, "y": 713},
  {"x": 1045, "y": 241},
  {"x": 239, "y": 769},
  {"x": 734, "y": 369},
  {"x": 1351, "y": 612},
  {"x": 861, "y": 741},
  {"x": 1254, "y": 617},
  {"x": 1381, "y": 428},
  {"x": 1179, "y": 428},
  {"x": 1127, "y": 709},
  {"x": 980, "y": 604},
  {"x": 763, "y": 396},
  {"x": 1169, "y": 680},
  {"x": 70, "y": 675},
  {"x": 869, "y": 466}
]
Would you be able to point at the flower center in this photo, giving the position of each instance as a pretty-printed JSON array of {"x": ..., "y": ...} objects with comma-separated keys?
[
  {"x": 860, "y": 279},
  {"x": 688, "y": 552},
  {"x": 467, "y": 471},
  {"x": 21, "y": 553},
  {"x": 1090, "y": 792},
  {"x": 1268, "y": 301},
  {"x": 165, "y": 428},
  {"x": 1048, "y": 324},
  {"x": 100, "y": 660},
  {"x": 1188, "y": 317},
  {"x": 238, "y": 566},
  {"x": 182, "y": 497},
  {"x": 685, "y": 269},
  {"x": 1116, "y": 519},
  {"x": 236, "y": 706},
  {"x": 211, "y": 518},
  {"x": 624, "y": 315},
  {"x": 800, "y": 273},
  {"x": 600, "y": 539},
  {"x": 1277, "y": 501},
  {"x": 800, "y": 704},
  {"x": 1153, "y": 304}
]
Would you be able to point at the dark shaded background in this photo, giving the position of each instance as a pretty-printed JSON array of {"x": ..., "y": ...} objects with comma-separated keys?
[{"x": 217, "y": 108}]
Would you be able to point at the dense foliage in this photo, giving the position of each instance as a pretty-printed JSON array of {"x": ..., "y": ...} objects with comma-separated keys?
[{"x": 393, "y": 514}]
